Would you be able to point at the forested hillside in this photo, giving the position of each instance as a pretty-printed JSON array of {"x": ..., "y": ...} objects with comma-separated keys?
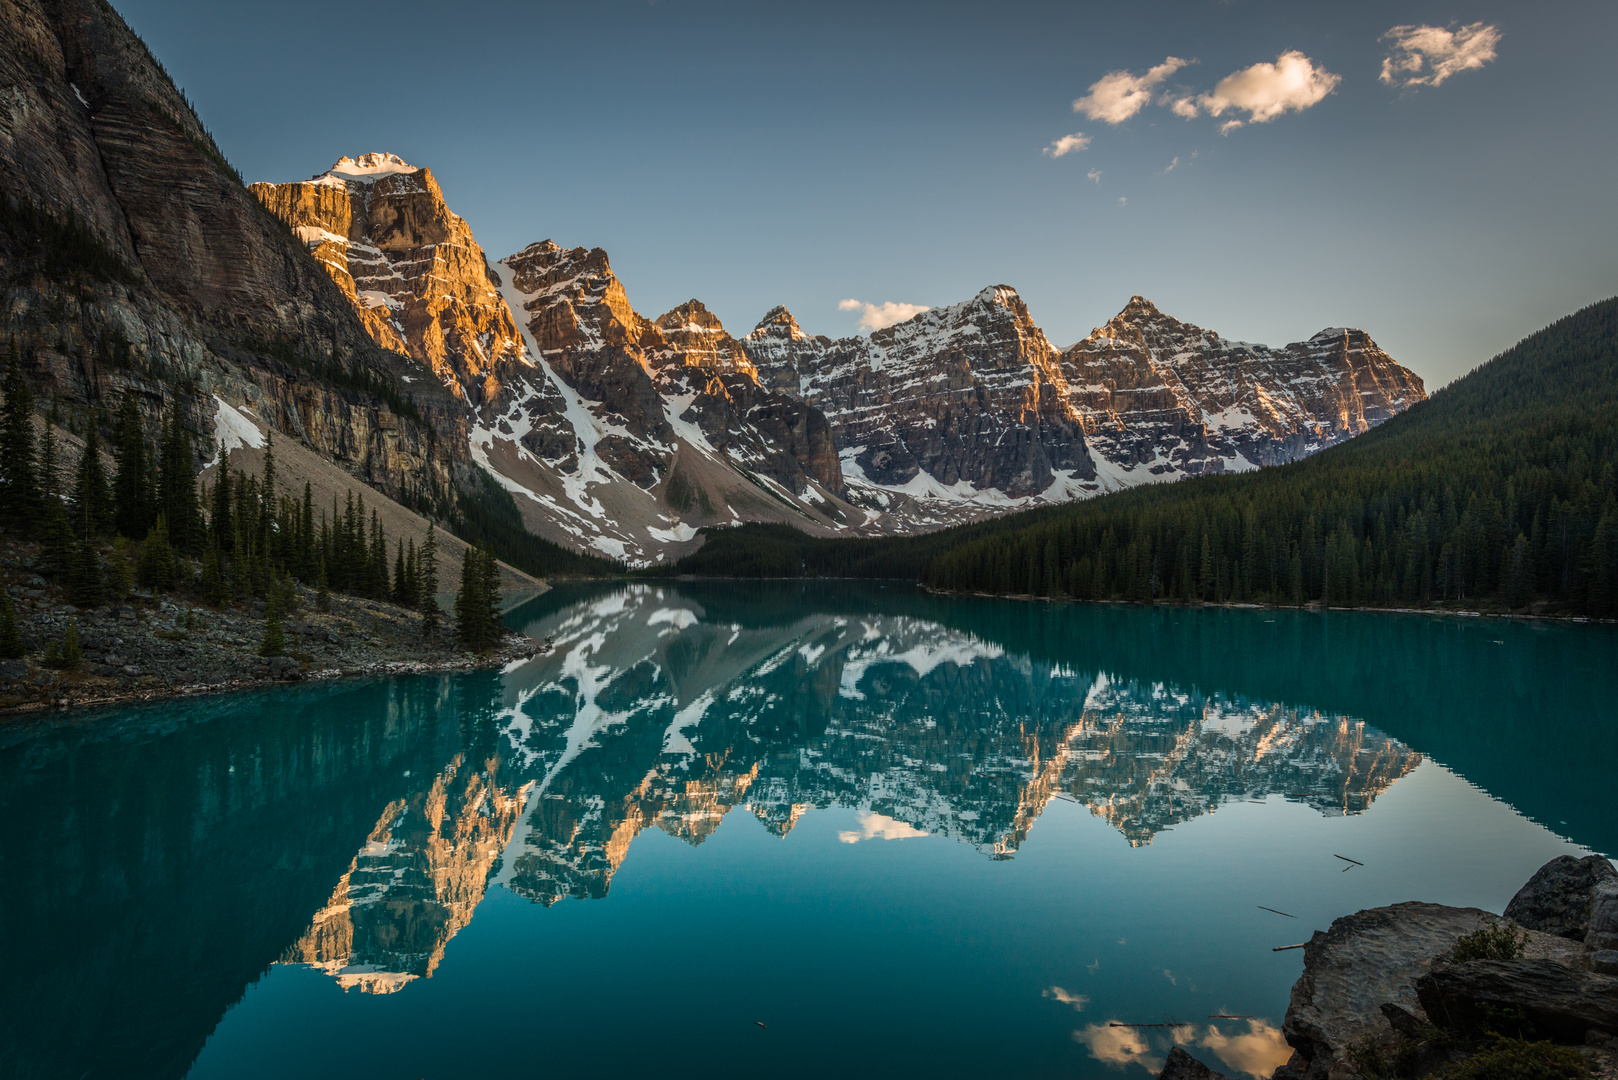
[{"x": 1498, "y": 491}]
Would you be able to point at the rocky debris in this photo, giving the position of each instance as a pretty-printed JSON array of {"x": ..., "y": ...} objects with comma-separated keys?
[
  {"x": 1557, "y": 899},
  {"x": 1374, "y": 957},
  {"x": 1603, "y": 935},
  {"x": 1561, "y": 1003},
  {"x": 149, "y": 647},
  {"x": 1182, "y": 1066}
]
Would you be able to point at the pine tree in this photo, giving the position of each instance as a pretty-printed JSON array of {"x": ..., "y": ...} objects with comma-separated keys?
[
  {"x": 470, "y": 613},
  {"x": 157, "y": 557},
  {"x": 11, "y": 643},
  {"x": 427, "y": 585},
  {"x": 177, "y": 486},
  {"x": 490, "y": 615},
  {"x": 214, "y": 590},
  {"x": 221, "y": 519},
  {"x": 377, "y": 562},
  {"x": 84, "y": 582},
  {"x": 274, "y": 641},
  {"x": 92, "y": 502},
  {"x": 19, "y": 492},
  {"x": 131, "y": 491}
]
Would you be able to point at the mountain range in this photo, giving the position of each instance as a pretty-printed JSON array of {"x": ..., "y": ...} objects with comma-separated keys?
[
  {"x": 624, "y": 434},
  {"x": 356, "y": 313}
]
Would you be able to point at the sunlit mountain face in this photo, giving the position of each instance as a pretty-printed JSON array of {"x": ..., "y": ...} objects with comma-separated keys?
[
  {"x": 1012, "y": 825},
  {"x": 652, "y": 712}
]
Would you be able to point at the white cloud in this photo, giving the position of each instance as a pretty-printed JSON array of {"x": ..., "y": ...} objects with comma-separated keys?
[
  {"x": 1258, "y": 1053},
  {"x": 1118, "y": 1047},
  {"x": 875, "y": 317},
  {"x": 1122, "y": 202},
  {"x": 1094, "y": 174},
  {"x": 1068, "y": 997},
  {"x": 1175, "y": 164},
  {"x": 879, "y": 826},
  {"x": 1264, "y": 91},
  {"x": 1068, "y": 144},
  {"x": 1118, "y": 95},
  {"x": 1427, "y": 55}
]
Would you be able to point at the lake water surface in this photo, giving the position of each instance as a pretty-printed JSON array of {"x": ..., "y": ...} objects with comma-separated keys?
[{"x": 791, "y": 831}]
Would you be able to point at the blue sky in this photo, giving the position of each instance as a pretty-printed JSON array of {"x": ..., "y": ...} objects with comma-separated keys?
[{"x": 756, "y": 154}]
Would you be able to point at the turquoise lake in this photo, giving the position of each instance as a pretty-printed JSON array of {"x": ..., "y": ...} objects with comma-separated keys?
[{"x": 789, "y": 830}]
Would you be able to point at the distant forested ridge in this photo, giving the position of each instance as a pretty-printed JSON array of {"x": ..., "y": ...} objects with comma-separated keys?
[{"x": 1499, "y": 491}]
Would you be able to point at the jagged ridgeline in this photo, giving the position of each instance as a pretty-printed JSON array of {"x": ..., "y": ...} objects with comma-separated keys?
[
  {"x": 136, "y": 268},
  {"x": 1499, "y": 491}
]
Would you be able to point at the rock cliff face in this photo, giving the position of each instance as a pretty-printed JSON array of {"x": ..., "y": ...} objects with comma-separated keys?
[
  {"x": 587, "y": 412},
  {"x": 411, "y": 268},
  {"x": 627, "y": 432},
  {"x": 174, "y": 284},
  {"x": 968, "y": 410},
  {"x": 1161, "y": 399},
  {"x": 955, "y": 401}
]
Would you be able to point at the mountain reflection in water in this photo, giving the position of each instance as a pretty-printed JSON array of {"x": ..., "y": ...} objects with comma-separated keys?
[
  {"x": 651, "y": 714},
  {"x": 159, "y": 861}
]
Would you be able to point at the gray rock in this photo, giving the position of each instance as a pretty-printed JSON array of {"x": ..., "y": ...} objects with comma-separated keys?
[
  {"x": 1561, "y": 1002},
  {"x": 1605, "y": 961},
  {"x": 1557, "y": 898},
  {"x": 13, "y": 670},
  {"x": 1374, "y": 957},
  {"x": 1182, "y": 1066},
  {"x": 1603, "y": 932},
  {"x": 284, "y": 667}
]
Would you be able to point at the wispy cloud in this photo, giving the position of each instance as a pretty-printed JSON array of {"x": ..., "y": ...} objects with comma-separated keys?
[
  {"x": 1122, "y": 202},
  {"x": 1118, "y": 95},
  {"x": 1068, "y": 997},
  {"x": 876, "y": 316},
  {"x": 1427, "y": 55},
  {"x": 1175, "y": 164},
  {"x": 1094, "y": 174},
  {"x": 1068, "y": 144},
  {"x": 1264, "y": 91}
]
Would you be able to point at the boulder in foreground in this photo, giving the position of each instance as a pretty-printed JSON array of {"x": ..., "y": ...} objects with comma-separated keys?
[
  {"x": 1557, "y": 899},
  {"x": 1560, "y": 1003}
]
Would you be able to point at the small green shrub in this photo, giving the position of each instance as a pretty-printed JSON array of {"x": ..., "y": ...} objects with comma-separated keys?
[
  {"x": 1518, "y": 1059},
  {"x": 1502, "y": 941}
]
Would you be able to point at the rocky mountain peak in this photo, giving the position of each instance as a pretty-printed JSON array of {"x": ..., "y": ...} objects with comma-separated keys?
[
  {"x": 1171, "y": 399},
  {"x": 382, "y": 230},
  {"x": 691, "y": 317},
  {"x": 777, "y": 323},
  {"x": 371, "y": 167},
  {"x": 693, "y": 336},
  {"x": 573, "y": 297}
]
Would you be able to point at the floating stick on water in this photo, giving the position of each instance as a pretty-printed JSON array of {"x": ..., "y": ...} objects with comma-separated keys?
[
  {"x": 1222, "y": 1016},
  {"x": 1261, "y": 907},
  {"x": 1345, "y": 858},
  {"x": 1284, "y": 948},
  {"x": 760, "y": 1023}
]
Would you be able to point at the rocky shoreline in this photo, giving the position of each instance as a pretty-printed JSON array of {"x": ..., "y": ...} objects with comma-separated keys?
[
  {"x": 1417, "y": 990},
  {"x": 148, "y": 648}
]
